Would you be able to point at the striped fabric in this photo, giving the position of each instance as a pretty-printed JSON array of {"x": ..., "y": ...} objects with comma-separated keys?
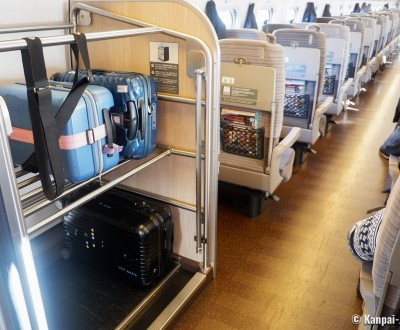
[
  {"x": 387, "y": 235},
  {"x": 261, "y": 53}
]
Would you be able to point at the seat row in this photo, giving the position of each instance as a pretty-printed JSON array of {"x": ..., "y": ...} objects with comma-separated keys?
[{"x": 282, "y": 89}]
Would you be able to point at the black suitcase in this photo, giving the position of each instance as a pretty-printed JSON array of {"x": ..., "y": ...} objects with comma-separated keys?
[{"x": 120, "y": 231}]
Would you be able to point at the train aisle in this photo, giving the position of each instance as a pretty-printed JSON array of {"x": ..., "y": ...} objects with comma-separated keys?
[{"x": 290, "y": 267}]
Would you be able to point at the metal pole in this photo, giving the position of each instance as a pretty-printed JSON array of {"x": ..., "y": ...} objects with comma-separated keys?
[
  {"x": 199, "y": 75},
  {"x": 11, "y": 45},
  {"x": 36, "y": 28}
]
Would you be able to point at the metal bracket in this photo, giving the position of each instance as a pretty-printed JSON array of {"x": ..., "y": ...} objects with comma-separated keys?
[
  {"x": 84, "y": 18},
  {"x": 196, "y": 58}
]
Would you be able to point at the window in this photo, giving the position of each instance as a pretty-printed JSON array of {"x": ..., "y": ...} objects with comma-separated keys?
[
  {"x": 292, "y": 14},
  {"x": 228, "y": 16},
  {"x": 350, "y": 10},
  {"x": 340, "y": 10},
  {"x": 264, "y": 16}
]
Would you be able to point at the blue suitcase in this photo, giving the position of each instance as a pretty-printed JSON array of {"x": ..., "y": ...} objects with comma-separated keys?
[
  {"x": 84, "y": 140},
  {"x": 135, "y": 110}
]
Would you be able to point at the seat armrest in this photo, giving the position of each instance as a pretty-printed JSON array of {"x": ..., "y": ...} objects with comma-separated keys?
[
  {"x": 343, "y": 92},
  {"x": 287, "y": 142},
  {"x": 275, "y": 177},
  {"x": 322, "y": 108},
  {"x": 357, "y": 81}
]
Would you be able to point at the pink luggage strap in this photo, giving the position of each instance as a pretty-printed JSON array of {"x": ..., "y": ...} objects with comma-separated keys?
[{"x": 70, "y": 142}]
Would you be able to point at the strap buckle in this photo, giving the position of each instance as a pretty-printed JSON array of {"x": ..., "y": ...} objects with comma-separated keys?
[
  {"x": 90, "y": 138},
  {"x": 41, "y": 85}
]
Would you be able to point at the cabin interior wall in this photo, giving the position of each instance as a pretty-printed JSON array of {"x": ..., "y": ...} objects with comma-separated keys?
[{"x": 19, "y": 13}]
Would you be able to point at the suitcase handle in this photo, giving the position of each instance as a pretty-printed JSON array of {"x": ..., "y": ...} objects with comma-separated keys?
[
  {"x": 142, "y": 108},
  {"x": 133, "y": 120},
  {"x": 110, "y": 148}
]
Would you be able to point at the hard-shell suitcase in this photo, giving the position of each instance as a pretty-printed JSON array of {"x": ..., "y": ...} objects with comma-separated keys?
[
  {"x": 120, "y": 231},
  {"x": 84, "y": 137},
  {"x": 135, "y": 110}
]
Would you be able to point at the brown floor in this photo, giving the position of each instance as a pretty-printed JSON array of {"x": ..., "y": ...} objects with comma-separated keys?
[{"x": 290, "y": 268}]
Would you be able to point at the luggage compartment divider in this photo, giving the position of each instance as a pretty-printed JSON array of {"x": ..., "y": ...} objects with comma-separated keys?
[{"x": 89, "y": 196}]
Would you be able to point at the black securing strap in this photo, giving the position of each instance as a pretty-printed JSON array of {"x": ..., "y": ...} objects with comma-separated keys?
[
  {"x": 44, "y": 128},
  {"x": 51, "y": 127}
]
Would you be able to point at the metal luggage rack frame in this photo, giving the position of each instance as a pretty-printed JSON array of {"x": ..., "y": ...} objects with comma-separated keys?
[
  {"x": 198, "y": 73},
  {"x": 200, "y": 65}
]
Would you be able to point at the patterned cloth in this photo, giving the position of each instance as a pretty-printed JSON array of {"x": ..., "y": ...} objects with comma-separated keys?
[
  {"x": 385, "y": 243},
  {"x": 362, "y": 236}
]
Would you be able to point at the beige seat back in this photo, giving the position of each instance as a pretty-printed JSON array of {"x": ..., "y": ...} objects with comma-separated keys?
[{"x": 264, "y": 54}]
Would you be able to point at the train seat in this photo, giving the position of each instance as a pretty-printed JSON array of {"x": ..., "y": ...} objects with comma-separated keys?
[
  {"x": 395, "y": 29},
  {"x": 380, "y": 279},
  {"x": 375, "y": 62},
  {"x": 305, "y": 53},
  {"x": 392, "y": 43},
  {"x": 337, "y": 44},
  {"x": 369, "y": 37},
  {"x": 355, "y": 69},
  {"x": 250, "y": 68},
  {"x": 381, "y": 55}
]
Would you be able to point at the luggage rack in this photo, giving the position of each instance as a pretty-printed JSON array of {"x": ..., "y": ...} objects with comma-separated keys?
[
  {"x": 19, "y": 206},
  {"x": 13, "y": 45}
]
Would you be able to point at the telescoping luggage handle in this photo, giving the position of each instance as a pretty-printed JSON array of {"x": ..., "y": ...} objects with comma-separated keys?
[{"x": 46, "y": 127}]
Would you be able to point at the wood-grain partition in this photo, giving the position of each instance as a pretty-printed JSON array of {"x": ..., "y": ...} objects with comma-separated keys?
[{"x": 173, "y": 177}]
